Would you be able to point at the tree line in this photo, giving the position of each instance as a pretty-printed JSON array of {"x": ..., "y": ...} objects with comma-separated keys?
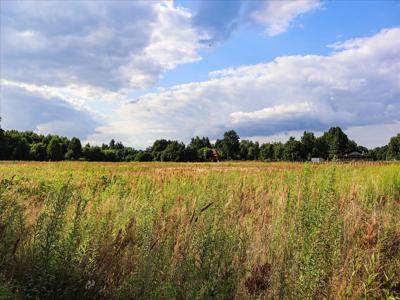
[{"x": 334, "y": 143}]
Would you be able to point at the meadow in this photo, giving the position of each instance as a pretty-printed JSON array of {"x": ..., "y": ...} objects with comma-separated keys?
[{"x": 232, "y": 230}]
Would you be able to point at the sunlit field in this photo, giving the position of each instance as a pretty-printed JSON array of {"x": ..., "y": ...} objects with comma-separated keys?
[{"x": 242, "y": 230}]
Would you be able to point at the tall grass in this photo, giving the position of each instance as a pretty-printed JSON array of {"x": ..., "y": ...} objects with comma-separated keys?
[{"x": 199, "y": 231}]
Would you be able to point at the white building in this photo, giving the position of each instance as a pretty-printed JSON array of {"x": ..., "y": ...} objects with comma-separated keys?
[{"x": 317, "y": 160}]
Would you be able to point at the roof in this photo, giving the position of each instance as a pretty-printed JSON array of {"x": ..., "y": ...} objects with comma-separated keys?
[{"x": 354, "y": 153}]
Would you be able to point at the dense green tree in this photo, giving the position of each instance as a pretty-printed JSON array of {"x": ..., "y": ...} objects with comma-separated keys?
[
  {"x": 308, "y": 146},
  {"x": 93, "y": 153},
  {"x": 267, "y": 151},
  {"x": 143, "y": 156},
  {"x": 126, "y": 154},
  {"x": 278, "y": 151},
  {"x": 21, "y": 149},
  {"x": 205, "y": 154},
  {"x": 248, "y": 150},
  {"x": 393, "y": 150},
  {"x": 112, "y": 144},
  {"x": 253, "y": 151},
  {"x": 69, "y": 155},
  {"x": 158, "y": 147},
  {"x": 193, "y": 149},
  {"x": 351, "y": 146},
  {"x": 54, "y": 151},
  {"x": 321, "y": 148},
  {"x": 3, "y": 145},
  {"x": 173, "y": 152},
  {"x": 292, "y": 150},
  {"x": 64, "y": 142},
  {"x": 191, "y": 154},
  {"x": 75, "y": 148},
  {"x": 337, "y": 142},
  {"x": 219, "y": 144},
  {"x": 15, "y": 145},
  {"x": 379, "y": 153},
  {"x": 38, "y": 152},
  {"x": 230, "y": 145},
  {"x": 197, "y": 143}
]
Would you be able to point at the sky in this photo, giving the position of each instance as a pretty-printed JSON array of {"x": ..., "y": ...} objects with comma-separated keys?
[{"x": 138, "y": 71}]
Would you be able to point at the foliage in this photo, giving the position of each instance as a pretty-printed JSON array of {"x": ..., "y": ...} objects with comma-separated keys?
[
  {"x": 230, "y": 145},
  {"x": 173, "y": 152},
  {"x": 54, "y": 150},
  {"x": 292, "y": 150},
  {"x": 337, "y": 142},
  {"x": 393, "y": 150},
  {"x": 333, "y": 144}
]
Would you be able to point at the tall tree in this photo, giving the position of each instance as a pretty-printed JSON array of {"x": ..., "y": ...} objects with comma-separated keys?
[
  {"x": 230, "y": 144},
  {"x": 393, "y": 151},
  {"x": 38, "y": 152},
  {"x": 193, "y": 152},
  {"x": 267, "y": 151},
  {"x": 75, "y": 147},
  {"x": 3, "y": 145},
  {"x": 173, "y": 152},
  {"x": 54, "y": 151},
  {"x": 248, "y": 150},
  {"x": 158, "y": 147},
  {"x": 337, "y": 141},
  {"x": 292, "y": 150},
  {"x": 308, "y": 145},
  {"x": 278, "y": 151},
  {"x": 197, "y": 143}
]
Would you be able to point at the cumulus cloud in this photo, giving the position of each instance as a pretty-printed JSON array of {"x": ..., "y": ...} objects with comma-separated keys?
[
  {"x": 25, "y": 109},
  {"x": 119, "y": 45},
  {"x": 278, "y": 16},
  {"x": 274, "y": 112},
  {"x": 69, "y": 54},
  {"x": 357, "y": 85},
  {"x": 128, "y": 44},
  {"x": 74, "y": 94},
  {"x": 275, "y": 17}
]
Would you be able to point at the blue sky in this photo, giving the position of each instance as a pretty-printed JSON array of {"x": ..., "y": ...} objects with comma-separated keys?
[
  {"x": 311, "y": 33},
  {"x": 137, "y": 71}
]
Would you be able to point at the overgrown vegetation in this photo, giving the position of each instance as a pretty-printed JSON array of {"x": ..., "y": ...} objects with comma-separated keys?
[
  {"x": 76, "y": 230},
  {"x": 333, "y": 144}
]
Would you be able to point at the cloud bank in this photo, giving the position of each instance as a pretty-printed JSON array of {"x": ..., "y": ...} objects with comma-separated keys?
[
  {"x": 27, "y": 110},
  {"x": 357, "y": 85},
  {"x": 128, "y": 44}
]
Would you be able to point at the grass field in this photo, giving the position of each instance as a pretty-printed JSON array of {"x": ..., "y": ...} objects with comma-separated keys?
[{"x": 245, "y": 230}]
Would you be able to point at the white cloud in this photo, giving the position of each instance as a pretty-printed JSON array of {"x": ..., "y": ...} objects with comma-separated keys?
[
  {"x": 119, "y": 45},
  {"x": 358, "y": 85},
  {"x": 128, "y": 44},
  {"x": 29, "y": 109},
  {"x": 278, "y": 16},
  {"x": 74, "y": 94},
  {"x": 373, "y": 135},
  {"x": 172, "y": 42},
  {"x": 72, "y": 55},
  {"x": 275, "y": 17},
  {"x": 274, "y": 112}
]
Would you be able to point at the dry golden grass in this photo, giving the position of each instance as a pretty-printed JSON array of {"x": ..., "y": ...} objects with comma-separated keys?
[{"x": 239, "y": 230}]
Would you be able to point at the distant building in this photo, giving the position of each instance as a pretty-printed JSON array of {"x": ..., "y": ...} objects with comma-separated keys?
[
  {"x": 355, "y": 155},
  {"x": 317, "y": 160},
  {"x": 215, "y": 155}
]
